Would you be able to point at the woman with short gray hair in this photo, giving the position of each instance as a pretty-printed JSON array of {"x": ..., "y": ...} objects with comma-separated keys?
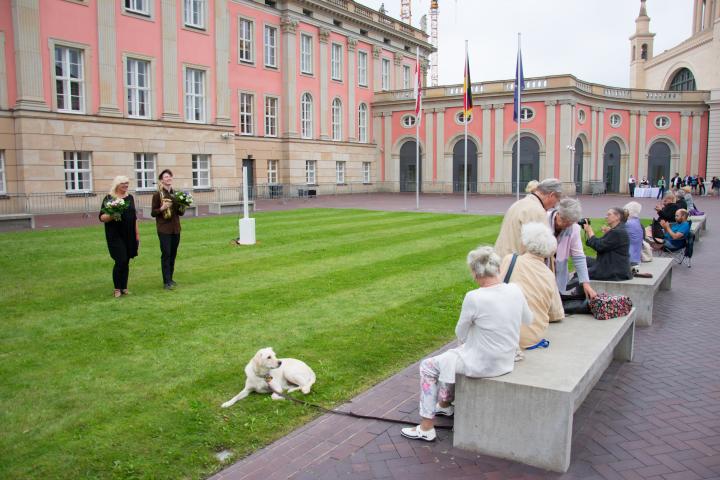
[
  {"x": 635, "y": 232},
  {"x": 488, "y": 331}
]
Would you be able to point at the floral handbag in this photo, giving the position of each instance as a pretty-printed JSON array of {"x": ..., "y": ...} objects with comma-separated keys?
[{"x": 604, "y": 306}]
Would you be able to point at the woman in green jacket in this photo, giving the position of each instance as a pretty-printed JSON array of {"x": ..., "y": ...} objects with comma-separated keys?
[{"x": 661, "y": 186}]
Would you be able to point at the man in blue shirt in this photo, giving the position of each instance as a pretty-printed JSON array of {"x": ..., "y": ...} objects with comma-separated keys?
[{"x": 676, "y": 233}]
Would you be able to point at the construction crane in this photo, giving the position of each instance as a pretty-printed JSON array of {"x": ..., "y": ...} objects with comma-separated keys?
[{"x": 434, "y": 43}]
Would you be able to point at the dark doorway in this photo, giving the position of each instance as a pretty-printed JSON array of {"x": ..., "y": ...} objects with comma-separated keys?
[
  {"x": 578, "y": 165},
  {"x": 659, "y": 163},
  {"x": 611, "y": 162},
  {"x": 250, "y": 164},
  {"x": 408, "y": 162},
  {"x": 529, "y": 162},
  {"x": 459, "y": 166}
]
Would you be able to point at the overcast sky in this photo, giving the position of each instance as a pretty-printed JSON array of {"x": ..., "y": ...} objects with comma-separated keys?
[{"x": 586, "y": 38}]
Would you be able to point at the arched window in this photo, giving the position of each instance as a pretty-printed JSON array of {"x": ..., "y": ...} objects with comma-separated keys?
[
  {"x": 643, "y": 51},
  {"x": 306, "y": 116},
  {"x": 362, "y": 123},
  {"x": 337, "y": 119},
  {"x": 683, "y": 81}
]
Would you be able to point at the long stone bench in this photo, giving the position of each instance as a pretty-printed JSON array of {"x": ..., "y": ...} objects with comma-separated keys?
[
  {"x": 699, "y": 219},
  {"x": 527, "y": 415},
  {"x": 696, "y": 228},
  {"x": 641, "y": 290},
  {"x": 19, "y": 221},
  {"x": 233, "y": 206},
  {"x": 191, "y": 211}
]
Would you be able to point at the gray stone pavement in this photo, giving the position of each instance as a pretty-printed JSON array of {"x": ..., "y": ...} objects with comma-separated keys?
[{"x": 656, "y": 418}]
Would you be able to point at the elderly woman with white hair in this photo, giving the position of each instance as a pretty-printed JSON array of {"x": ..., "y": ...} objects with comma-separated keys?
[
  {"x": 118, "y": 214},
  {"x": 536, "y": 281},
  {"x": 488, "y": 331},
  {"x": 635, "y": 231},
  {"x": 563, "y": 222}
]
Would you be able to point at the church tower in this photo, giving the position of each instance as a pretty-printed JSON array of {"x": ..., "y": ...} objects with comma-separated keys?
[{"x": 641, "y": 48}]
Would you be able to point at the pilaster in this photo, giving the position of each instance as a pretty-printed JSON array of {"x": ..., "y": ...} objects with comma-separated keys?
[
  {"x": 503, "y": 173},
  {"x": 171, "y": 109},
  {"x": 289, "y": 74},
  {"x": 601, "y": 143},
  {"x": 593, "y": 144},
  {"x": 107, "y": 58},
  {"x": 377, "y": 68},
  {"x": 685, "y": 119},
  {"x": 398, "y": 61},
  {"x": 565, "y": 155},
  {"x": 222, "y": 60},
  {"x": 28, "y": 61},
  {"x": 633, "y": 168},
  {"x": 549, "y": 164},
  {"x": 352, "y": 112},
  {"x": 392, "y": 171},
  {"x": 713, "y": 151},
  {"x": 695, "y": 158},
  {"x": 642, "y": 145},
  {"x": 324, "y": 36},
  {"x": 484, "y": 167},
  {"x": 439, "y": 137},
  {"x": 429, "y": 157},
  {"x": 3, "y": 75}
]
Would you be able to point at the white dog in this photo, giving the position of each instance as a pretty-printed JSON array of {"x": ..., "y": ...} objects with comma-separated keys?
[{"x": 287, "y": 374}]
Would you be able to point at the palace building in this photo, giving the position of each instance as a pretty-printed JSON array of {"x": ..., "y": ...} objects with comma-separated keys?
[{"x": 316, "y": 94}]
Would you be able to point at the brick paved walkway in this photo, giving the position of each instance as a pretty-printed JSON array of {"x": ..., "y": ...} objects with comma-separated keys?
[{"x": 657, "y": 418}]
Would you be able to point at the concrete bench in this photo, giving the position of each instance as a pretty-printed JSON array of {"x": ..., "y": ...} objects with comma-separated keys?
[
  {"x": 699, "y": 219},
  {"x": 234, "y": 206},
  {"x": 191, "y": 211},
  {"x": 696, "y": 228},
  {"x": 527, "y": 415},
  {"x": 17, "y": 221},
  {"x": 641, "y": 290}
]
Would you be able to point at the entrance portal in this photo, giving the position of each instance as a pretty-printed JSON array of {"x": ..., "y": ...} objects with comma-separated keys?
[
  {"x": 529, "y": 162},
  {"x": 408, "y": 162},
  {"x": 459, "y": 166},
  {"x": 611, "y": 162}
]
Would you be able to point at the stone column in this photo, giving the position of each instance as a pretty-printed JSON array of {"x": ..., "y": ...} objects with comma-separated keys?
[
  {"x": 28, "y": 61},
  {"x": 565, "y": 155},
  {"x": 600, "y": 166},
  {"x": 392, "y": 171},
  {"x": 352, "y": 113},
  {"x": 398, "y": 61},
  {"x": 697, "y": 16},
  {"x": 324, "y": 35},
  {"x": 428, "y": 154},
  {"x": 377, "y": 68},
  {"x": 503, "y": 168},
  {"x": 709, "y": 17},
  {"x": 442, "y": 167},
  {"x": 684, "y": 138},
  {"x": 547, "y": 168},
  {"x": 593, "y": 144},
  {"x": 713, "y": 151},
  {"x": 633, "y": 168},
  {"x": 171, "y": 109},
  {"x": 695, "y": 158},
  {"x": 3, "y": 75},
  {"x": 107, "y": 58},
  {"x": 642, "y": 146},
  {"x": 484, "y": 167},
  {"x": 376, "y": 139},
  {"x": 290, "y": 99},
  {"x": 222, "y": 60}
]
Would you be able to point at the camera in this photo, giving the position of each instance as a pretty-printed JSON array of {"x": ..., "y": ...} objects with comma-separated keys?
[{"x": 584, "y": 221}]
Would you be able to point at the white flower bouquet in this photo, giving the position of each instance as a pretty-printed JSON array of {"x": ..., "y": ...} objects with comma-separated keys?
[{"x": 115, "y": 208}]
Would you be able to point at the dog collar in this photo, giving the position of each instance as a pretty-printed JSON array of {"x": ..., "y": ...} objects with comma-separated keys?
[{"x": 268, "y": 378}]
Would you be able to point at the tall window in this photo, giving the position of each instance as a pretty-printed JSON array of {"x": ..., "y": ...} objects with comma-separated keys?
[
  {"x": 138, "y": 88},
  {"x": 272, "y": 172},
  {"x": 246, "y": 113},
  {"x": 138, "y": 6},
  {"x": 362, "y": 68},
  {"x": 362, "y": 123},
  {"x": 3, "y": 180},
  {"x": 194, "y": 95},
  {"x": 310, "y": 171},
  {"x": 406, "y": 76},
  {"x": 69, "y": 79},
  {"x": 245, "y": 46},
  {"x": 195, "y": 13},
  {"x": 337, "y": 119},
  {"x": 306, "y": 116},
  {"x": 683, "y": 81},
  {"x": 336, "y": 61},
  {"x": 271, "y": 116},
  {"x": 339, "y": 172},
  {"x": 78, "y": 176},
  {"x": 366, "y": 172},
  {"x": 385, "y": 74},
  {"x": 306, "y": 54},
  {"x": 145, "y": 170},
  {"x": 270, "y": 46},
  {"x": 201, "y": 171}
]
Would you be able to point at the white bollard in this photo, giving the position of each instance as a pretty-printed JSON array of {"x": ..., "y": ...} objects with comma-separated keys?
[{"x": 247, "y": 224}]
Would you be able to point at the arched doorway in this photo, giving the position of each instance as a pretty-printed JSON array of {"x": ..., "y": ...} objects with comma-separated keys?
[
  {"x": 408, "y": 162},
  {"x": 459, "y": 166},
  {"x": 659, "y": 163},
  {"x": 529, "y": 162},
  {"x": 611, "y": 161},
  {"x": 578, "y": 165}
]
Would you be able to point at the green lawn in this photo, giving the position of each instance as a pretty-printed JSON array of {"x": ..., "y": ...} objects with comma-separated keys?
[{"x": 98, "y": 387}]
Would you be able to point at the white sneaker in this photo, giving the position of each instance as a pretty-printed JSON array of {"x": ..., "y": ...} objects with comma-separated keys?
[
  {"x": 416, "y": 433},
  {"x": 444, "y": 412}
]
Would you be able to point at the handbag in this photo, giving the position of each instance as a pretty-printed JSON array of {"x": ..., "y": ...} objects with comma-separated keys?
[{"x": 605, "y": 306}]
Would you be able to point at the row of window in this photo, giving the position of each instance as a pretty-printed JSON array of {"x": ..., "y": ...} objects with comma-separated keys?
[
  {"x": 662, "y": 121},
  {"x": 307, "y": 119},
  {"x": 194, "y": 11},
  {"x": 311, "y": 172}
]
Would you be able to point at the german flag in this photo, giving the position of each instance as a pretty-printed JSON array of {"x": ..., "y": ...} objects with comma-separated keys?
[{"x": 467, "y": 89}]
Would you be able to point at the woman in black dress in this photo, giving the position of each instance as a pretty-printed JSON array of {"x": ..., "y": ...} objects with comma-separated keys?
[
  {"x": 613, "y": 248},
  {"x": 122, "y": 235}
]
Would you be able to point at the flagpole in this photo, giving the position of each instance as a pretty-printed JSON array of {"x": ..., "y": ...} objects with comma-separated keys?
[
  {"x": 519, "y": 119},
  {"x": 465, "y": 117},
  {"x": 417, "y": 136}
]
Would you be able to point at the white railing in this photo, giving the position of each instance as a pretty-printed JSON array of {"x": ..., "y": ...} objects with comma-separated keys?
[{"x": 617, "y": 93}]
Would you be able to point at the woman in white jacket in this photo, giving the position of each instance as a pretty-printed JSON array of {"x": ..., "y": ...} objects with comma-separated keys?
[{"x": 489, "y": 332}]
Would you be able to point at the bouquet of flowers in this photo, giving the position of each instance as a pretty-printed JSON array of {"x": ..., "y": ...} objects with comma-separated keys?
[
  {"x": 183, "y": 200},
  {"x": 115, "y": 207}
]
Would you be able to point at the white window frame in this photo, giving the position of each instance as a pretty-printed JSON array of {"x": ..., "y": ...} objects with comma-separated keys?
[
  {"x": 270, "y": 49},
  {"x": 340, "y": 168},
  {"x": 524, "y": 117},
  {"x": 619, "y": 120},
  {"x": 146, "y": 172},
  {"x": 460, "y": 118},
  {"x": 195, "y": 100},
  {"x": 366, "y": 172},
  {"x": 385, "y": 73},
  {"x": 3, "y": 176},
  {"x": 311, "y": 172},
  {"x": 133, "y": 91},
  {"x": 665, "y": 120},
  {"x": 306, "y": 115},
  {"x": 197, "y": 170},
  {"x": 408, "y": 121},
  {"x": 74, "y": 175},
  {"x": 188, "y": 10},
  {"x": 336, "y": 119},
  {"x": 272, "y": 172},
  {"x": 134, "y": 7},
  {"x": 581, "y": 116},
  {"x": 363, "y": 123},
  {"x": 406, "y": 77},
  {"x": 271, "y": 115},
  {"x": 336, "y": 61},
  {"x": 306, "y": 54},
  {"x": 246, "y": 109},
  {"x": 246, "y": 40},
  {"x": 66, "y": 80},
  {"x": 362, "y": 68}
]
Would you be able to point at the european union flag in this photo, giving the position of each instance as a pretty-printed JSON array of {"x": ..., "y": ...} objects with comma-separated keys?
[{"x": 519, "y": 85}]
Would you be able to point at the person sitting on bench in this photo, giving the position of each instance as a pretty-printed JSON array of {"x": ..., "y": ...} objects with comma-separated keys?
[
  {"x": 488, "y": 331},
  {"x": 613, "y": 248},
  {"x": 675, "y": 235}
]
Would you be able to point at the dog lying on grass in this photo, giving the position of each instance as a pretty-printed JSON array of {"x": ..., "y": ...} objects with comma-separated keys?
[{"x": 288, "y": 374}]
